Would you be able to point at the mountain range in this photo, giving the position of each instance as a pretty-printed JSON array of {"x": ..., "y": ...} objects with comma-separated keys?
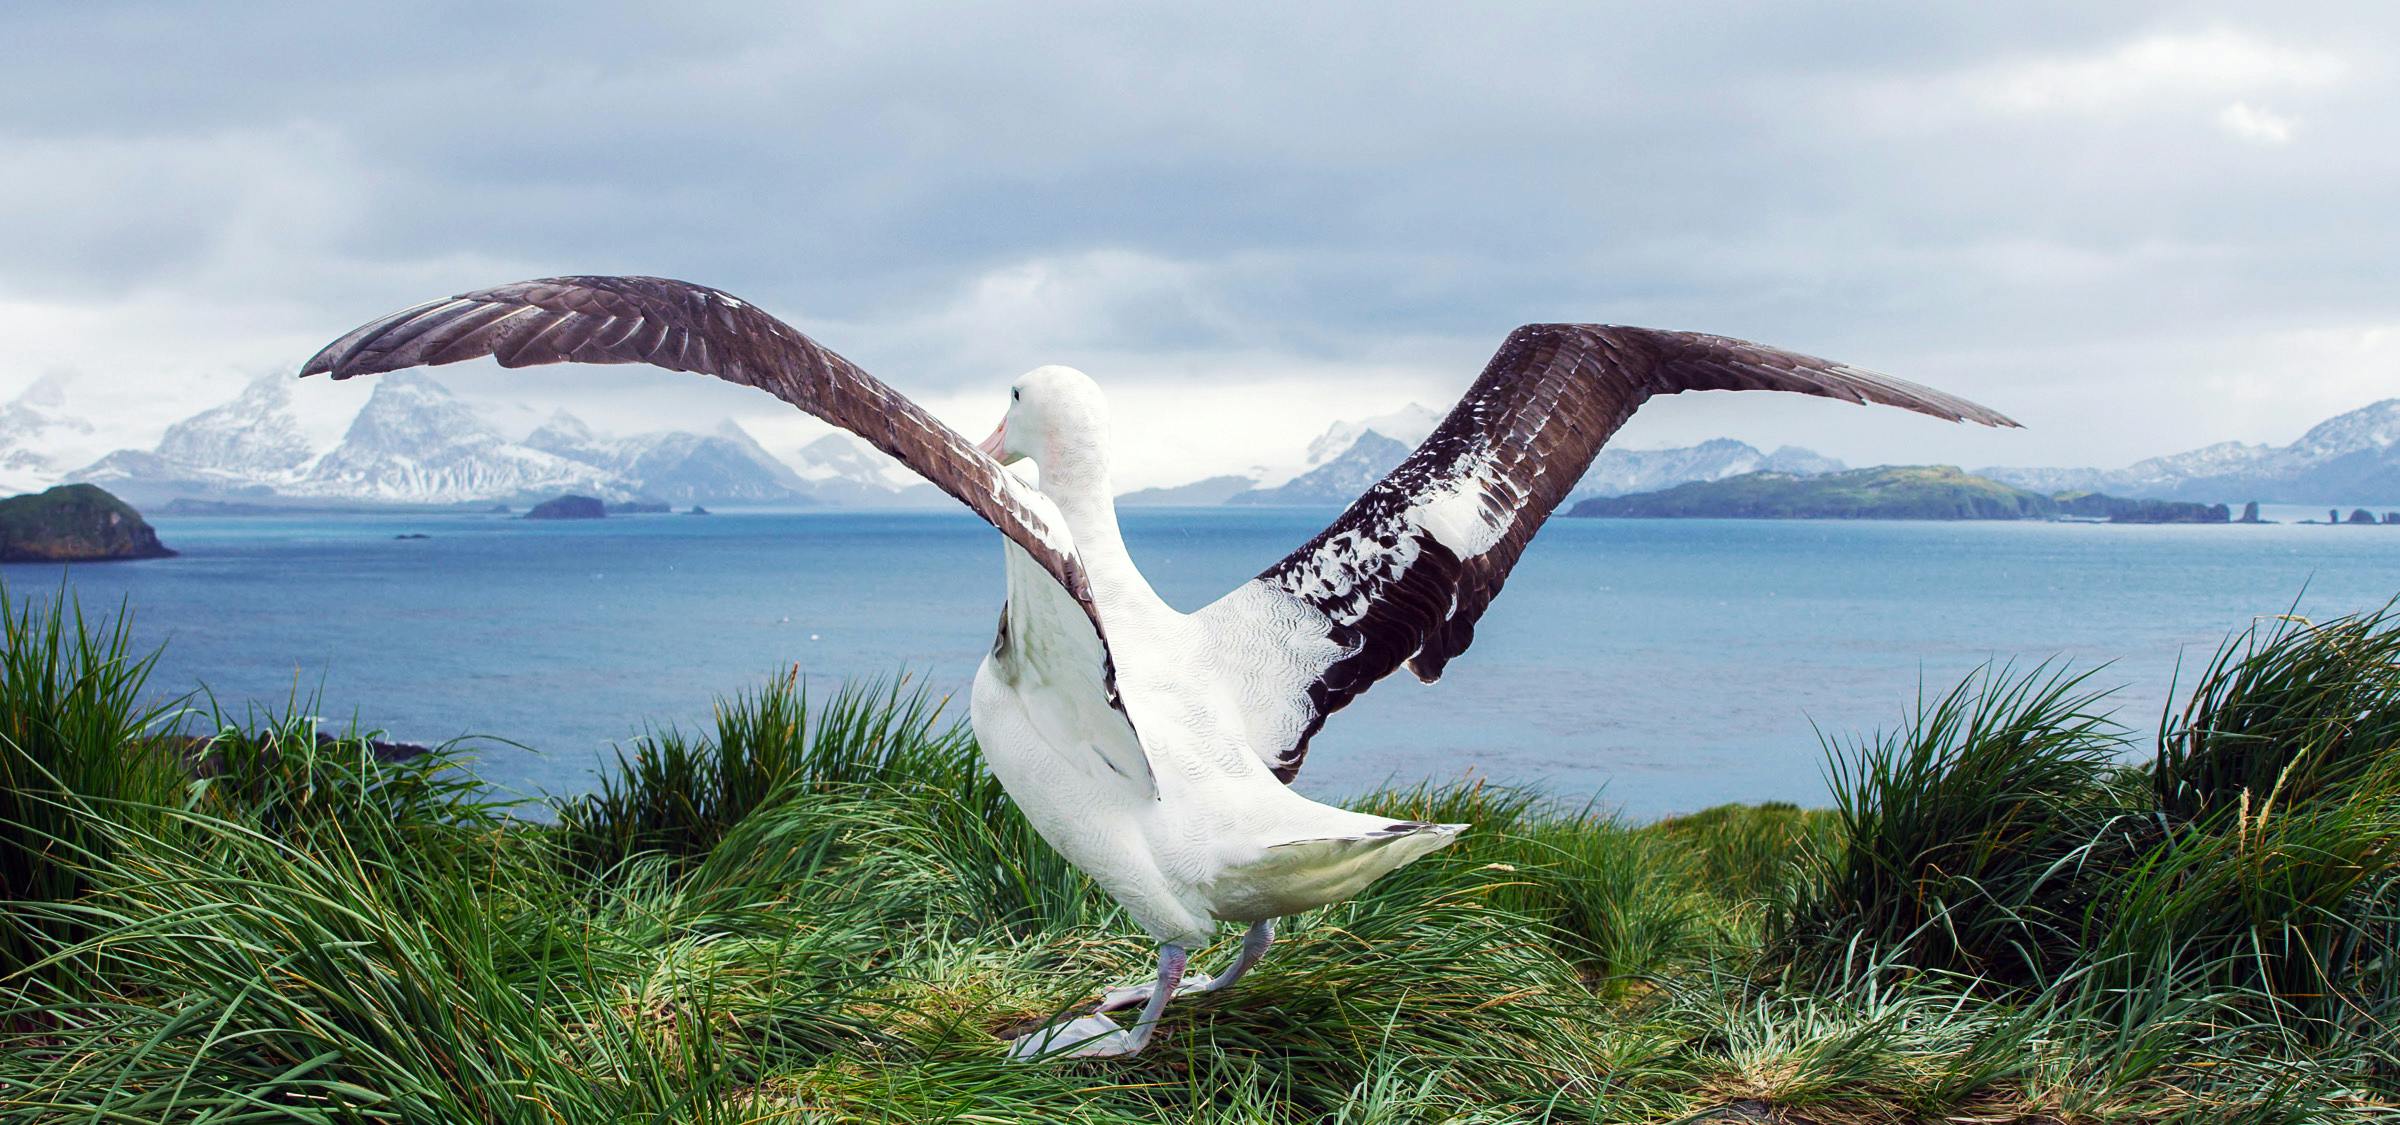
[
  {"x": 2351, "y": 458},
  {"x": 720, "y": 467},
  {"x": 1348, "y": 457},
  {"x": 412, "y": 441},
  {"x": 34, "y": 429},
  {"x": 841, "y": 470}
]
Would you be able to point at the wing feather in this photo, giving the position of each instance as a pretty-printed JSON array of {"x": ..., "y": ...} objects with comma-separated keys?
[
  {"x": 687, "y": 327},
  {"x": 1403, "y": 575}
]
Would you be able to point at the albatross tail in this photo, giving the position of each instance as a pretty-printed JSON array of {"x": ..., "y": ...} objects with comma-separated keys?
[{"x": 1308, "y": 872}]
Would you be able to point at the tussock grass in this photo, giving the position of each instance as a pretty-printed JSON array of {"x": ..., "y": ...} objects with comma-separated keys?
[
  {"x": 1965, "y": 836},
  {"x": 2290, "y": 711},
  {"x": 75, "y": 739},
  {"x": 678, "y": 795},
  {"x": 824, "y": 909}
]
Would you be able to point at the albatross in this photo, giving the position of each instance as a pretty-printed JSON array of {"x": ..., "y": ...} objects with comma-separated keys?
[{"x": 1154, "y": 748}]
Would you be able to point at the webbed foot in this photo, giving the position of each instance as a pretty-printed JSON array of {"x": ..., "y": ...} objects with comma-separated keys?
[
  {"x": 1134, "y": 996},
  {"x": 1098, "y": 1037},
  {"x": 1084, "y": 1037}
]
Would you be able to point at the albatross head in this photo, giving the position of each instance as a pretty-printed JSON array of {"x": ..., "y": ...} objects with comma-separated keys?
[{"x": 1055, "y": 415}]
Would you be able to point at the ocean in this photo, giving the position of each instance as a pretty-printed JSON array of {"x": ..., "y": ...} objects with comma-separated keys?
[{"x": 1656, "y": 666}]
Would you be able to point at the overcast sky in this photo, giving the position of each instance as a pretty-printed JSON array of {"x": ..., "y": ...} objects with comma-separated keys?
[{"x": 2136, "y": 227}]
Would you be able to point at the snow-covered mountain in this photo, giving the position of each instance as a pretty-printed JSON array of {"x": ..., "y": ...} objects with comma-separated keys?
[
  {"x": 34, "y": 428},
  {"x": 2351, "y": 458},
  {"x": 726, "y": 466},
  {"x": 843, "y": 470},
  {"x": 1617, "y": 472},
  {"x": 1337, "y": 465},
  {"x": 413, "y": 442},
  {"x": 1614, "y": 473},
  {"x": 416, "y": 443},
  {"x": 2374, "y": 427},
  {"x": 1408, "y": 425},
  {"x": 2153, "y": 476},
  {"x": 1350, "y": 456},
  {"x": 251, "y": 445},
  {"x": 1338, "y": 481},
  {"x": 570, "y": 437}
]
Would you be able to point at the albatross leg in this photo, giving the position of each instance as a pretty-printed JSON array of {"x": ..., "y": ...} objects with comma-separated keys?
[
  {"x": 1098, "y": 1037},
  {"x": 1254, "y": 946}
]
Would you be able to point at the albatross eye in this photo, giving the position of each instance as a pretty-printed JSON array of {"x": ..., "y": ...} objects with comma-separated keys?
[{"x": 1015, "y": 393}]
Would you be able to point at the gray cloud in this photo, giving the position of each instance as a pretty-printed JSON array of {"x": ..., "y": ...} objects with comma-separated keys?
[{"x": 2139, "y": 228}]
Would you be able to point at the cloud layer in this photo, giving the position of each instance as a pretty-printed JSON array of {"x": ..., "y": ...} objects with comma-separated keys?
[{"x": 2137, "y": 229}]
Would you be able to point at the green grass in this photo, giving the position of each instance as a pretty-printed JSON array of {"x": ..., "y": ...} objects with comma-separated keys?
[
  {"x": 75, "y": 756},
  {"x": 2289, "y": 711},
  {"x": 1889, "y": 492},
  {"x": 1967, "y": 834},
  {"x": 824, "y": 909}
]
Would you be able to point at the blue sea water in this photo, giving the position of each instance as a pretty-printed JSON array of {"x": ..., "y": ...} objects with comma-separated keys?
[{"x": 1661, "y": 665}]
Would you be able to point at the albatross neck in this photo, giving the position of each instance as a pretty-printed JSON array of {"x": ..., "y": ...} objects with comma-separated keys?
[{"x": 1077, "y": 480}]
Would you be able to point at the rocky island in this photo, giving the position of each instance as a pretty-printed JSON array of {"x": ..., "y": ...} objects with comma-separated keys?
[
  {"x": 75, "y": 523},
  {"x": 1935, "y": 492},
  {"x": 2118, "y": 509},
  {"x": 1891, "y": 492},
  {"x": 568, "y": 507}
]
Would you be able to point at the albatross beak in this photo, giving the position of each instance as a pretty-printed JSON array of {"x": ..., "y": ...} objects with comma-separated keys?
[{"x": 996, "y": 446}]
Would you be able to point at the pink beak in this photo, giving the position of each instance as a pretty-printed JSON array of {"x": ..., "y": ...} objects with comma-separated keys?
[{"x": 996, "y": 446}]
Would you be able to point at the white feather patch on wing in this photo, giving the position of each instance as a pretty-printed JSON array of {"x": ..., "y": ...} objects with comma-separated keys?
[{"x": 1460, "y": 513}]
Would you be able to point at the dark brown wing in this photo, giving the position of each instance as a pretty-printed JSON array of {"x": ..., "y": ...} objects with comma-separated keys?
[
  {"x": 686, "y": 327},
  {"x": 1403, "y": 575}
]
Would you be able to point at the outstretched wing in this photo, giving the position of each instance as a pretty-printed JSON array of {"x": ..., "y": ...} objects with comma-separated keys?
[
  {"x": 686, "y": 327},
  {"x": 1403, "y": 575}
]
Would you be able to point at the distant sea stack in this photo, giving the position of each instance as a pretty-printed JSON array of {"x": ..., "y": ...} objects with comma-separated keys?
[
  {"x": 75, "y": 523},
  {"x": 568, "y": 508}
]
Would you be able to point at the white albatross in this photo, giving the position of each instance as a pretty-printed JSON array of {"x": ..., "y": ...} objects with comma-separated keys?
[{"x": 1152, "y": 747}]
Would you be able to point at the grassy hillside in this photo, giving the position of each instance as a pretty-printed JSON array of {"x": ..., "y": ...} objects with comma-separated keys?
[
  {"x": 1892, "y": 492},
  {"x": 824, "y": 910}
]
